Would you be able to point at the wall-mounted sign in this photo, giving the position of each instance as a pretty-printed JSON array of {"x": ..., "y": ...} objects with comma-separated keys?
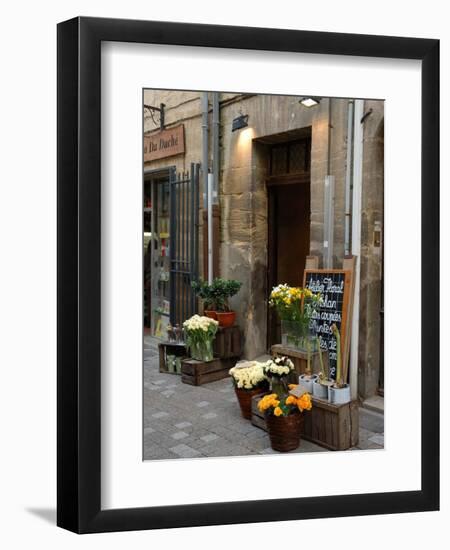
[{"x": 165, "y": 143}]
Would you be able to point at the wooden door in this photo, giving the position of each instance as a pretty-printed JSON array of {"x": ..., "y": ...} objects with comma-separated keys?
[{"x": 288, "y": 241}]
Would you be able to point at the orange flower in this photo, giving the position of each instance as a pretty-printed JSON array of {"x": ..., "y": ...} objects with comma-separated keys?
[
  {"x": 291, "y": 400},
  {"x": 277, "y": 411},
  {"x": 292, "y": 386},
  {"x": 304, "y": 402}
]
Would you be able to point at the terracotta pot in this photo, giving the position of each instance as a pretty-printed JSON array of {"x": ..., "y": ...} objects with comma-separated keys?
[
  {"x": 245, "y": 400},
  {"x": 284, "y": 431},
  {"x": 210, "y": 313},
  {"x": 226, "y": 318}
]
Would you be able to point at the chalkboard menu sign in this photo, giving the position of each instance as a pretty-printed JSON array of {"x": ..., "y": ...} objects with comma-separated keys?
[{"x": 334, "y": 286}]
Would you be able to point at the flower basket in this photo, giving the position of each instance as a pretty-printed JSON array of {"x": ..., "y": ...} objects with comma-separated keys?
[
  {"x": 284, "y": 431},
  {"x": 249, "y": 380},
  {"x": 283, "y": 415},
  {"x": 245, "y": 400}
]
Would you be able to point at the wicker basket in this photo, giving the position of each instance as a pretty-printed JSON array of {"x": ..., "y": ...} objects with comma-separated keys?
[
  {"x": 284, "y": 431},
  {"x": 245, "y": 400}
]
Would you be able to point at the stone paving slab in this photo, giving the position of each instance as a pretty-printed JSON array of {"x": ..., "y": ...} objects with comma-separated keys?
[{"x": 183, "y": 421}]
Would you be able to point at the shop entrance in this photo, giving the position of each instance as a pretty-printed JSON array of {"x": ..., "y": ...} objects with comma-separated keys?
[
  {"x": 289, "y": 211},
  {"x": 171, "y": 204},
  {"x": 156, "y": 251}
]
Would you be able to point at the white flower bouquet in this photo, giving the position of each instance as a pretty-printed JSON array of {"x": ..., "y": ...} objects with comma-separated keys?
[
  {"x": 278, "y": 366},
  {"x": 200, "y": 332},
  {"x": 277, "y": 370},
  {"x": 248, "y": 375}
]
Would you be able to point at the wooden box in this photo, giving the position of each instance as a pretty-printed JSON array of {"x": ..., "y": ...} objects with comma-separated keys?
[
  {"x": 169, "y": 348},
  {"x": 335, "y": 427},
  {"x": 198, "y": 373},
  {"x": 257, "y": 416},
  {"x": 300, "y": 360},
  {"x": 228, "y": 343}
]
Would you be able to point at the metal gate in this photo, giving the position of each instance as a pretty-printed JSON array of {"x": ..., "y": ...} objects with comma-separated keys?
[{"x": 184, "y": 224}]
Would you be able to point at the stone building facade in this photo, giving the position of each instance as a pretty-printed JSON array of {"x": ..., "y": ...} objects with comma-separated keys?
[{"x": 315, "y": 138}]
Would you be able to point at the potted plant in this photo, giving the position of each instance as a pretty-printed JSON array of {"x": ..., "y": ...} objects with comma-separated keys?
[
  {"x": 200, "y": 332},
  {"x": 222, "y": 290},
  {"x": 277, "y": 371},
  {"x": 204, "y": 291},
  {"x": 283, "y": 419},
  {"x": 248, "y": 380},
  {"x": 308, "y": 378},
  {"x": 340, "y": 390},
  {"x": 295, "y": 307},
  {"x": 323, "y": 382}
]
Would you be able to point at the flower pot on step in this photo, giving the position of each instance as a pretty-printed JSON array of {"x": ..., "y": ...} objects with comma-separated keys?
[
  {"x": 340, "y": 396},
  {"x": 320, "y": 390},
  {"x": 226, "y": 318},
  {"x": 210, "y": 313},
  {"x": 284, "y": 431},
  {"x": 307, "y": 381}
]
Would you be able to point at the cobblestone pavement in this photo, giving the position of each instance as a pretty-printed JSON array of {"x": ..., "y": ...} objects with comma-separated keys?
[{"x": 183, "y": 421}]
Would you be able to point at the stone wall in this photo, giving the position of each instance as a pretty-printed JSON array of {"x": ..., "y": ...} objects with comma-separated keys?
[{"x": 371, "y": 254}]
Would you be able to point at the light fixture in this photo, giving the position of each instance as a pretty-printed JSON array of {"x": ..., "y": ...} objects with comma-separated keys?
[
  {"x": 309, "y": 101},
  {"x": 239, "y": 122}
]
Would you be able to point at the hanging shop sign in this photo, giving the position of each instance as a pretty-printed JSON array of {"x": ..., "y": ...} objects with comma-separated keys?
[
  {"x": 166, "y": 143},
  {"x": 335, "y": 288}
]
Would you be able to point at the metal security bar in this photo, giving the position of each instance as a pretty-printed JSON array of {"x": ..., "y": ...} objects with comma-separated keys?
[{"x": 184, "y": 224}]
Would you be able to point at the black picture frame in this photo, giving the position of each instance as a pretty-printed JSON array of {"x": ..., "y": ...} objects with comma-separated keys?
[{"x": 79, "y": 281}]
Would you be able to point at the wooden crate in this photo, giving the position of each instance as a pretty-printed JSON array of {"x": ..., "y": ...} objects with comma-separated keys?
[
  {"x": 197, "y": 373},
  {"x": 335, "y": 427},
  {"x": 300, "y": 360},
  {"x": 169, "y": 348},
  {"x": 228, "y": 343},
  {"x": 257, "y": 416}
]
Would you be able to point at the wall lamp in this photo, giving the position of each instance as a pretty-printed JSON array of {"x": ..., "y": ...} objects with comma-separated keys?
[
  {"x": 309, "y": 101},
  {"x": 239, "y": 122}
]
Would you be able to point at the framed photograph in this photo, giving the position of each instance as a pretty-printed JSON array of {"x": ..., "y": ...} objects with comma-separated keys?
[{"x": 248, "y": 275}]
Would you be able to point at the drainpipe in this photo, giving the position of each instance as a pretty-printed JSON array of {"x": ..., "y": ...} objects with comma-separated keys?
[
  {"x": 205, "y": 174},
  {"x": 348, "y": 178},
  {"x": 213, "y": 180},
  {"x": 356, "y": 238},
  {"x": 216, "y": 146},
  {"x": 328, "y": 222}
]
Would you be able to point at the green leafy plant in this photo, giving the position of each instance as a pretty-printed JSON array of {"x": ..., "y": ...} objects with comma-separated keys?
[
  {"x": 216, "y": 295},
  {"x": 204, "y": 291},
  {"x": 223, "y": 290},
  {"x": 324, "y": 375}
]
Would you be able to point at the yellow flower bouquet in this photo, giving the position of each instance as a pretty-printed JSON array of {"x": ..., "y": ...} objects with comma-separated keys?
[{"x": 296, "y": 307}]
